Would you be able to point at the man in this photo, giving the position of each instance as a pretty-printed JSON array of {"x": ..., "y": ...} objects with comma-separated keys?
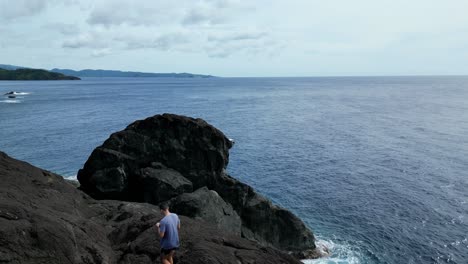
[{"x": 168, "y": 230}]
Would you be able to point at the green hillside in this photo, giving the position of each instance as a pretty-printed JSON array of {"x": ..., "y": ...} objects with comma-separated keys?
[{"x": 33, "y": 74}]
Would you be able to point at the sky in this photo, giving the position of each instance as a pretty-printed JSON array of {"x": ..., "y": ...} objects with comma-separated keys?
[{"x": 235, "y": 38}]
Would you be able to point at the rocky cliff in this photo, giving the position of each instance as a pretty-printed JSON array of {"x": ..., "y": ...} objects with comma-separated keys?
[
  {"x": 111, "y": 217},
  {"x": 45, "y": 219},
  {"x": 183, "y": 160}
]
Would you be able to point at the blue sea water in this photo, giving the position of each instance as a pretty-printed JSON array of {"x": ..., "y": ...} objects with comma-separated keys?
[{"x": 376, "y": 166}]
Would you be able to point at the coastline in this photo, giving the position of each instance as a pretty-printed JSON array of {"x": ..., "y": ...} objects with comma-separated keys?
[{"x": 42, "y": 184}]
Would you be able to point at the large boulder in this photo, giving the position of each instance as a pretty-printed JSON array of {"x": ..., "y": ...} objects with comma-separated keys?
[
  {"x": 199, "y": 153},
  {"x": 190, "y": 146},
  {"x": 45, "y": 220},
  {"x": 207, "y": 205},
  {"x": 163, "y": 184}
]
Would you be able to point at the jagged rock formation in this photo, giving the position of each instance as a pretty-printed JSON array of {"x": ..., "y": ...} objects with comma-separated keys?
[
  {"x": 167, "y": 156},
  {"x": 208, "y": 205},
  {"x": 44, "y": 219}
]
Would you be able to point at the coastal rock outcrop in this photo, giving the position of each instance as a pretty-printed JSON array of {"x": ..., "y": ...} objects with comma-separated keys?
[
  {"x": 185, "y": 154},
  {"x": 208, "y": 205},
  {"x": 45, "y": 219},
  {"x": 192, "y": 147}
]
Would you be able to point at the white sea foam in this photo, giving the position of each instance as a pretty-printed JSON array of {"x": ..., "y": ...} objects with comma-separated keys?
[
  {"x": 340, "y": 254},
  {"x": 70, "y": 177},
  {"x": 21, "y": 93},
  {"x": 447, "y": 186},
  {"x": 10, "y": 101}
]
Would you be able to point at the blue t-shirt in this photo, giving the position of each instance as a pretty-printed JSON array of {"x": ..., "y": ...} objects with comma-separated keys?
[{"x": 168, "y": 225}]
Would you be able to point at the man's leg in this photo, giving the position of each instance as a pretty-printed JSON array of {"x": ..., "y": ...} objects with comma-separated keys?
[
  {"x": 165, "y": 258},
  {"x": 171, "y": 255}
]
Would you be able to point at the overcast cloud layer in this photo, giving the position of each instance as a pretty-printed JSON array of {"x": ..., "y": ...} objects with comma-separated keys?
[{"x": 239, "y": 38}]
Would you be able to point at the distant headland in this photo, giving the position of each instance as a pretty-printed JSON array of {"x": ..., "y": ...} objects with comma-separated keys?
[
  {"x": 32, "y": 74},
  {"x": 114, "y": 73},
  {"x": 108, "y": 73}
]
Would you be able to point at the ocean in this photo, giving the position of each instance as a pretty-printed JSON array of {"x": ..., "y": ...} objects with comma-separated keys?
[{"x": 377, "y": 167}]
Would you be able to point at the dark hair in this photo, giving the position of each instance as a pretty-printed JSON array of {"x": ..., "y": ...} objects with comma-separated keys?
[{"x": 163, "y": 206}]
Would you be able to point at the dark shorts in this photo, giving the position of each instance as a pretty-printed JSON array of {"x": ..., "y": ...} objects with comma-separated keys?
[{"x": 167, "y": 251}]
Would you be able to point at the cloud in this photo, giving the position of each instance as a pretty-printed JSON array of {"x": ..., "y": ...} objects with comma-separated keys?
[
  {"x": 119, "y": 12},
  {"x": 91, "y": 39},
  {"x": 249, "y": 43},
  {"x": 214, "y": 43},
  {"x": 83, "y": 40},
  {"x": 224, "y": 50},
  {"x": 182, "y": 26},
  {"x": 158, "y": 12},
  {"x": 169, "y": 41},
  {"x": 64, "y": 29},
  {"x": 10, "y": 10},
  {"x": 101, "y": 52},
  {"x": 213, "y": 12},
  {"x": 242, "y": 36},
  {"x": 203, "y": 16}
]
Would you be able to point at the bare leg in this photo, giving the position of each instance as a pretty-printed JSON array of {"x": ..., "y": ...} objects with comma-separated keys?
[
  {"x": 165, "y": 259},
  {"x": 172, "y": 256}
]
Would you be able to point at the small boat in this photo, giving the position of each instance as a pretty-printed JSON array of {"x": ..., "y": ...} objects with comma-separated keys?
[{"x": 10, "y": 93}]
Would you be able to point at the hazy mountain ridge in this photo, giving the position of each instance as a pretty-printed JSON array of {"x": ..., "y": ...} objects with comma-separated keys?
[
  {"x": 116, "y": 73},
  {"x": 111, "y": 73}
]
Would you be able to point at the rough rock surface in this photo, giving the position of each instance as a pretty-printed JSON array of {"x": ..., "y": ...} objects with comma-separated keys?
[
  {"x": 262, "y": 220},
  {"x": 190, "y": 146},
  {"x": 163, "y": 184},
  {"x": 45, "y": 219},
  {"x": 199, "y": 153},
  {"x": 209, "y": 206}
]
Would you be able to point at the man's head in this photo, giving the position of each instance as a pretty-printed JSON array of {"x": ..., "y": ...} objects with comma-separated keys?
[{"x": 164, "y": 207}]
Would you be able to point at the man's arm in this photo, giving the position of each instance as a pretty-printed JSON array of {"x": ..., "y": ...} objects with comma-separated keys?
[{"x": 161, "y": 233}]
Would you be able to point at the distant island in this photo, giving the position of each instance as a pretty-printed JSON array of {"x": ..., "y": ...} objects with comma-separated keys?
[
  {"x": 114, "y": 73},
  {"x": 32, "y": 74}
]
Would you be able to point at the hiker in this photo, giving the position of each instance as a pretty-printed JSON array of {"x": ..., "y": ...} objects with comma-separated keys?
[{"x": 168, "y": 230}]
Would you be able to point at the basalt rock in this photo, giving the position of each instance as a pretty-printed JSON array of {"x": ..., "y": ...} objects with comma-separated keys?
[
  {"x": 209, "y": 206},
  {"x": 189, "y": 146},
  {"x": 262, "y": 220},
  {"x": 194, "y": 151},
  {"x": 45, "y": 220},
  {"x": 163, "y": 184}
]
